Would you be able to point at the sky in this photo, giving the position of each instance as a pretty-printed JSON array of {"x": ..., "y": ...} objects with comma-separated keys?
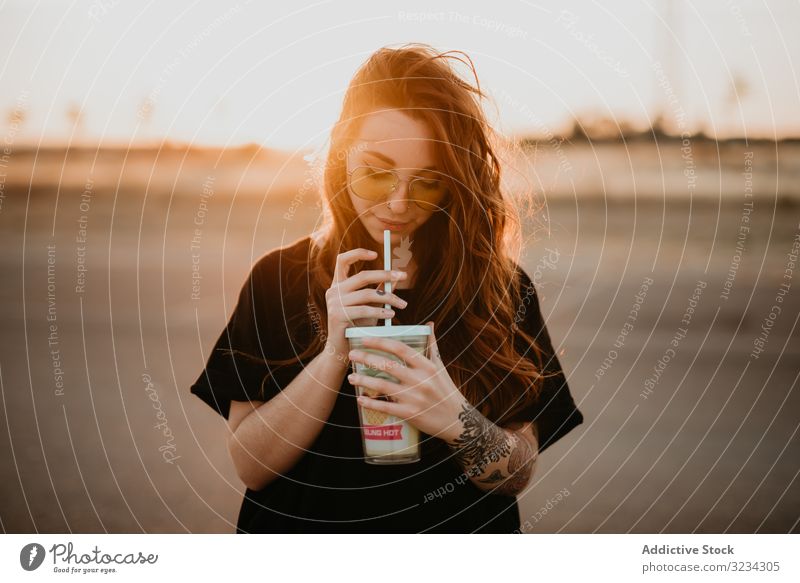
[{"x": 230, "y": 73}]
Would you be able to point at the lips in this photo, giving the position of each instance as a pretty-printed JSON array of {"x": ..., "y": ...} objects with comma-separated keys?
[{"x": 392, "y": 223}]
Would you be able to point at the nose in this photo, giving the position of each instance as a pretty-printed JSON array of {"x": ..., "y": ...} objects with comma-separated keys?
[{"x": 397, "y": 202}]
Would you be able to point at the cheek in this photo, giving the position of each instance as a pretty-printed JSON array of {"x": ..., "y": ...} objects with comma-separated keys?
[
  {"x": 360, "y": 205},
  {"x": 423, "y": 217}
]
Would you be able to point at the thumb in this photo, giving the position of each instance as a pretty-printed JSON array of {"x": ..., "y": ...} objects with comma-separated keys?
[{"x": 433, "y": 348}]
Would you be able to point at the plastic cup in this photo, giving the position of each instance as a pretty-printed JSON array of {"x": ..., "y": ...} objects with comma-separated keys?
[{"x": 386, "y": 439}]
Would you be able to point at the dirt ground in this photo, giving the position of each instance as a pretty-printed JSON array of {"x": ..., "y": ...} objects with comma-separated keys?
[{"x": 706, "y": 441}]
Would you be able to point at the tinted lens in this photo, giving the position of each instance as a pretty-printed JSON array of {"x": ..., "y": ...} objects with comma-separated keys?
[
  {"x": 428, "y": 194},
  {"x": 372, "y": 183}
]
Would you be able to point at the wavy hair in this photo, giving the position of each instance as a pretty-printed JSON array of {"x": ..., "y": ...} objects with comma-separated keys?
[{"x": 467, "y": 279}]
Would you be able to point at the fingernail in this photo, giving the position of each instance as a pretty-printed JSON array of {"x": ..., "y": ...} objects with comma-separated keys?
[
  {"x": 381, "y": 292},
  {"x": 403, "y": 303}
]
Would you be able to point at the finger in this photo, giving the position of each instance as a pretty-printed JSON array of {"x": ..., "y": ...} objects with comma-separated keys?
[
  {"x": 375, "y": 385},
  {"x": 371, "y": 276},
  {"x": 411, "y": 357},
  {"x": 358, "y": 312},
  {"x": 387, "y": 407},
  {"x": 380, "y": 363},
  {"x": 345, "y": 260},
  {"x": 372, "y": 296},
  {"x": 433, "y": 347}
]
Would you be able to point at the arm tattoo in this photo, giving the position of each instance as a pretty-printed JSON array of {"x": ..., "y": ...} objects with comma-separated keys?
[
  {"x": 481, "y": 442},
  {"x": 496, "y": 476},
  {"x": 520, "y": 464}
]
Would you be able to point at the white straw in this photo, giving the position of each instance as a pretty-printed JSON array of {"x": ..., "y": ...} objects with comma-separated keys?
[{"x": 387, "y": 265}]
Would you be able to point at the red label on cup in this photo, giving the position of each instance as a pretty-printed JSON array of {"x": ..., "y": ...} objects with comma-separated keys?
[{"x": 383, "y": 431}]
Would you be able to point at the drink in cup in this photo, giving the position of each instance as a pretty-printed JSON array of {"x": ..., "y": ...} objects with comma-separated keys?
[{"x": 386, "y": 439}]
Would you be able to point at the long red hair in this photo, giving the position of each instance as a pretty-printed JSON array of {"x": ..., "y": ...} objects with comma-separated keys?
[{"x": 466, "y": 272}]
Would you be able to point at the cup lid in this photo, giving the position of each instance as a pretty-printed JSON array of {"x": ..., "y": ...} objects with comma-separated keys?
[{"x": 386, "y": 331}]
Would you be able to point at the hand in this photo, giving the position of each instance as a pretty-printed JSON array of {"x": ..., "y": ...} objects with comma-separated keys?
[
  {"x": 349, "y": 305},
  {"x": 424, "y": 395}
]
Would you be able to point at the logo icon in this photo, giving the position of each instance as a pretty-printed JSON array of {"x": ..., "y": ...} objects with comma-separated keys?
[
  {"x": 31, "y": 556},
  {"x": 402, "y": 253}
]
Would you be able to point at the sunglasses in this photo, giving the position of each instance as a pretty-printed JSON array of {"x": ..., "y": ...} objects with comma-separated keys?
[{"x": 377, "y": 184}]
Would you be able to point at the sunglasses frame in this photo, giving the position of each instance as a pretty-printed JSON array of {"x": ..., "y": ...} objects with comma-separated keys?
[{"x": 410, "y": 182}]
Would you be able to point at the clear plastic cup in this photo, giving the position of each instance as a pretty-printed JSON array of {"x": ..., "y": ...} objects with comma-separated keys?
[{"x": 386, "y": 439}]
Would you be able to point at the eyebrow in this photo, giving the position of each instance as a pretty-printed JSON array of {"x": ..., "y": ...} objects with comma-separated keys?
[{"x": 389, "y": 160}]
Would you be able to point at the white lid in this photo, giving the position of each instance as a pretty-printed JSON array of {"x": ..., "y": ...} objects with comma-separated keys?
[{"x": 386, "y": 331}]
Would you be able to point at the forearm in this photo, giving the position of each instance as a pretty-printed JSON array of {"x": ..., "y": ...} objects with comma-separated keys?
[
  {"x": 271, "y": 439},
  {"x": 495, "y": 459}
]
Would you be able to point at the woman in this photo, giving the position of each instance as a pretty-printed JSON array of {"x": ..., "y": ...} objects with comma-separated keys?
[{"x": 411, "y": 152}]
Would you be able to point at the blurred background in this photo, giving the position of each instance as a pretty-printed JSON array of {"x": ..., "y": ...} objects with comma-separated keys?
[{"x": 149, "y": 154}]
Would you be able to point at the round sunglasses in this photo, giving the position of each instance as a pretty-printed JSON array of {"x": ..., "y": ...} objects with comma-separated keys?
[{"x": 377, "y": 184}]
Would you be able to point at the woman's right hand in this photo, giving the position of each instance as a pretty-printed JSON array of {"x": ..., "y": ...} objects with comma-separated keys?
[{"x": 349, "y": 305}]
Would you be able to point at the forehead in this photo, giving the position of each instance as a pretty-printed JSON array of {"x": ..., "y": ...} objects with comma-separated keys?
[{"x": 404, "y": 139}]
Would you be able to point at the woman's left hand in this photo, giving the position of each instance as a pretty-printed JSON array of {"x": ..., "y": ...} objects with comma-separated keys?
[{"x": 424, "y": 395}]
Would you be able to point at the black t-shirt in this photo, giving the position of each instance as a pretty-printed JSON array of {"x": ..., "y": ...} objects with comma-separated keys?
[{"x": 331, "y": 488}]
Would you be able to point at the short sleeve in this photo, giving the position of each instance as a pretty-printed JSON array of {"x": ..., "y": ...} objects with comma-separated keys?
[
  {"x": 555, "y": 412},
  {"x": 236, "y": 368}
]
